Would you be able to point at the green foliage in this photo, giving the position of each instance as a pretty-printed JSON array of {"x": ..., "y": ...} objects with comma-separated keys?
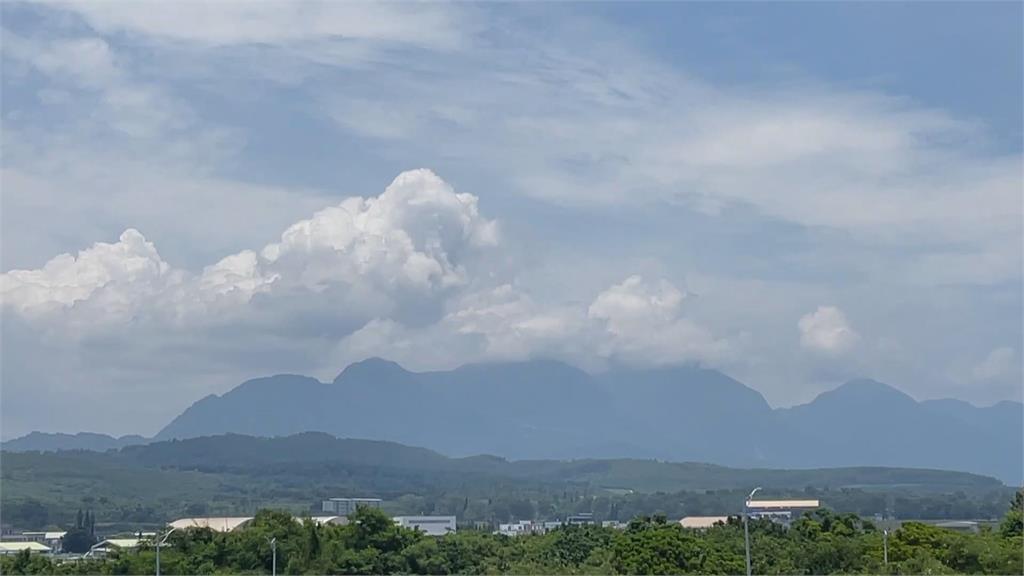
[{"x": 823, "y": 542}]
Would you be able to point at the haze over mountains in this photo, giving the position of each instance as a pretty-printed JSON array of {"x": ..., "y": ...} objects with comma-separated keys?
[{"x": 546, "y": 409}]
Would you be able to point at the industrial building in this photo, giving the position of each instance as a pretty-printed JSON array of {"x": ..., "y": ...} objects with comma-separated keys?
[
  {"x": 217, "y": 524},
  {"x": 702, "y": 522},
  {"x": 429, "y": 525},
  {"x": 780, "y": 510},
  {"x": 16, "y": 547},
  {"x": 346, "y": 506}
]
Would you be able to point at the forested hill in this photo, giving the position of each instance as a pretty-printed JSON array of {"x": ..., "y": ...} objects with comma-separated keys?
[
  {"x": 235, "y": 475},
  {"x": 319, "y": 453}
]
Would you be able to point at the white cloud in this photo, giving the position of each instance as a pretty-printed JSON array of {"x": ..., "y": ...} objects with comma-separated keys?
[
  {"x": 115, "y": 279},
  {"x": 1000, "y": 363},
  {"x": 645, "y": 325},
  {"x": 369, "y": 254},
  {"x": 826, "y": 330},
  {"x": 275, "y": 23}
]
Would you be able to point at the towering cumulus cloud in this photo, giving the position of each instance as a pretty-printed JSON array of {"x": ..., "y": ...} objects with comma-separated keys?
[{"x": 414, "y": 240}]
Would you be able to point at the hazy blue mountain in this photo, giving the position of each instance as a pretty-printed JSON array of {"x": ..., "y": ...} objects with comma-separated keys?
[
  {"x": 549, "y": 410},
  {"x": 864, "y": 422},
  {"x": 51, "y": 442}
]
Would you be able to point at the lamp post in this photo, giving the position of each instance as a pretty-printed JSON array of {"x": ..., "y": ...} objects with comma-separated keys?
[
  {"x": 273, "y": 555},
  {"x": 746, "y": 529},
  {"x": 885, "y": 547},
  {"x": 159, "y": 543}
]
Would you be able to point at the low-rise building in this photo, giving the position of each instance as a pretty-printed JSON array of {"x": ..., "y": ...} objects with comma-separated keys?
[
  {"x": 16, "y": 547},
  {"x": 581, "y": 519},
  {"x": 217, "y": 524},
  {"x": 780, "y": 510},
  {"x": 54, "y": 540},
  {"x": 429, "y": 525},
  {"x": 101, "y": 549},
  {"x": 521, "y": 528},
  {"x": 346, "y": 506},
  {"x": 702, "y": 522},
  {"x": 959, "y": 525}
]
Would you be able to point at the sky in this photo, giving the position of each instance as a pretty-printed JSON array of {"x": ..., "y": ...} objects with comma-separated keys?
[{"x": 797, "y": 194}]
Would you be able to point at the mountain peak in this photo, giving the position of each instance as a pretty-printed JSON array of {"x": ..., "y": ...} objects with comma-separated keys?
[
  {"x": 373, "y": 367},
  {"x": 868, "y": 390}
]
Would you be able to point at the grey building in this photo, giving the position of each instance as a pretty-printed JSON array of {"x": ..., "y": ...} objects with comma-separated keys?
[{"x": 346, "y": 506}]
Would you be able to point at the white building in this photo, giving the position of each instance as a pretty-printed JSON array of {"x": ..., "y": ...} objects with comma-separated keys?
[
  {"x": 54, "y": 540},
  {"x": 702, "y": 522},
  {"x": 346, "y": 506},
  {"x": 16, "y": 547},
  {"x": 429, "y": 525},
  {"x": 217, "y": 524},
  {"x": 101, "y": 549},
  {"x": 780, "y": 510}
]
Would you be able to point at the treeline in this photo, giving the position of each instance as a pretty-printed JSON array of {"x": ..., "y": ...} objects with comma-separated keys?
[
  {"x": 492, "y": 503},
  {"x": 823, "y": 542}
]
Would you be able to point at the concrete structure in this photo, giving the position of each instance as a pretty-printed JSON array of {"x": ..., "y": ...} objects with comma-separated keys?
[
  {"x": 702, "y": 522},
  {"x": 217, "y": 524},
  {"x": 429, "y": 525},
  {"x": 16, "y": 547},
  {"x": 346, "y": 506}
]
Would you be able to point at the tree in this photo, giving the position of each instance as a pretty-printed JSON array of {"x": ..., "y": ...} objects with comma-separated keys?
[
  {"x": 78, "y": 540},
  {"x": 1013, "y": 522}
]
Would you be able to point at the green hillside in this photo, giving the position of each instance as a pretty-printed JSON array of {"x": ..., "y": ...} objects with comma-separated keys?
[{"x": 146, "y": 485}]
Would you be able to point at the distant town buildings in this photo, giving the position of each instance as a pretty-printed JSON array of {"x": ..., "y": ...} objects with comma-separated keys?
[
  {"x": 346, "y": 506},
  {"x": 429, "y": 525}
]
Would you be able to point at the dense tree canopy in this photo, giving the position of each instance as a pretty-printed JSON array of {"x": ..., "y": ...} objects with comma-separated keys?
[{"x": 822, "y": 542}]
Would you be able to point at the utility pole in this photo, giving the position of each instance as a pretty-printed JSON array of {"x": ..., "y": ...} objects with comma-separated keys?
[{"x": 746, "y": 529}]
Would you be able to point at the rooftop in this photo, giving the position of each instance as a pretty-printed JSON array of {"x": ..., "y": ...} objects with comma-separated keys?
[
  {"x": 702, "y": 521},
  {"x": 782, "y": 504},
  {"x": 19, "y": 546}
]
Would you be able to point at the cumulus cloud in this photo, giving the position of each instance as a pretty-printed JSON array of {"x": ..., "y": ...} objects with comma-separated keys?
[
  {"x": 112, "y": 280},
  {"x": 634, "y": 322},
  {"x": 999, "y": 363},
  {"x": 826, "y": 330},
  {"x": 645, "y": 325},
  {"x": 365, "y": 254}
]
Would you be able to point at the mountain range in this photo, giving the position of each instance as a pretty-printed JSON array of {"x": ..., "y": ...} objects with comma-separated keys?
[{"x": 550, "y": 410}]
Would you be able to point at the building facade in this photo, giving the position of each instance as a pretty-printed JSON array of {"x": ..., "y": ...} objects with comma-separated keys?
[
  {"x": 346, "y": 506},
  {"x": 429, "y": 525}
]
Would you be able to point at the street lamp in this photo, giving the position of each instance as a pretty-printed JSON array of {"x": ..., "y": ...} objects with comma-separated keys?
[
  {"x": 273, "y": 555},
  {"x": 159, "y": 543},
  {"x": 746, "y": 529},
  {"x": 885, "y": 546}
]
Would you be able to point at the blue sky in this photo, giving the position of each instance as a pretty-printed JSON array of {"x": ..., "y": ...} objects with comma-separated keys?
[{"x": 795, "y": 193}]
